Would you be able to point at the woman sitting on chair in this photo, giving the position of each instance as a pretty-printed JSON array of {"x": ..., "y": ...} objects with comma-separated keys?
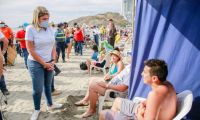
[{"x": 116, "y": 67}]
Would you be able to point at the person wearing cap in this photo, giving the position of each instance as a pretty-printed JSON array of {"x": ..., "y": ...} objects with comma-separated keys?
[
  {"x": 20, "y": 36},
  {"x": 8, "y": 33},
  {"x": 3, "y": 87},
  {"x": 97, "y": 87},
  {"x": 60, "y": 41}
]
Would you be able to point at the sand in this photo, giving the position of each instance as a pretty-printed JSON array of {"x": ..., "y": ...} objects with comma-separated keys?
[{"x": 73, "y": 83}]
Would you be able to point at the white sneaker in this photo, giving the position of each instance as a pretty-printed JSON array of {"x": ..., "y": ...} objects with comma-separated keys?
[
  {"x": 35, "y": 115},
  {"x": 54, "y": 106}
]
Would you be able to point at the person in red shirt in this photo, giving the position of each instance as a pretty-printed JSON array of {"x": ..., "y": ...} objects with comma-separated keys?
[
  {"x": 8, "y": 33},
  {"x": 78, "y": 37},
  {"x": 20, "y": 35}
]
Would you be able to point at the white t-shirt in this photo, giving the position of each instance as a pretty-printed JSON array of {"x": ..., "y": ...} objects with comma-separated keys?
[
  {"x": 123, "y": 77},
  {"x": 44, "y": 41},
  {"x": 1, "y": 35}
]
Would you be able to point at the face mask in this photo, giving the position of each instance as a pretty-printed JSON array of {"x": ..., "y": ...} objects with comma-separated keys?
[
  {"x": 2, "y": 25},
  {"x": 44, "y": 24}
]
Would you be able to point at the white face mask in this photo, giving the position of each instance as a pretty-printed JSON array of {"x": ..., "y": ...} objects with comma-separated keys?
[{"x": 2, "y": 25}]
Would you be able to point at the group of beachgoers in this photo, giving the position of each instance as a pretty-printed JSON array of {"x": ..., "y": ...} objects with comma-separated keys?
[{"x": 42, "y": 42}]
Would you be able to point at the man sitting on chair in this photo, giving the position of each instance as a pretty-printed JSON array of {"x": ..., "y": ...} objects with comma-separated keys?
[{"x": 160, "y": 103}]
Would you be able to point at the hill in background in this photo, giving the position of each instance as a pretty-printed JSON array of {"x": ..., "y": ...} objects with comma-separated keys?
[{"x": 101, "y": 19}]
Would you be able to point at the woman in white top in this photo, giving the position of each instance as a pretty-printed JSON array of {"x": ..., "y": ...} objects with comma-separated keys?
[{"x": 40, "y": 42}]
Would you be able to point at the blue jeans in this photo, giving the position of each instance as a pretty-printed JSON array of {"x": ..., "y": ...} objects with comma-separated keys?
[
  {"x": 40, "y": 78},
  {"x": 79, "y": 47},
  {"x": 52, "y": 85},
  {"x": 2, "y": 83},
  {"x": 25, "y": 54}
]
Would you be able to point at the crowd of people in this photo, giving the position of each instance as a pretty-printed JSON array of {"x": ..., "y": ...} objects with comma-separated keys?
[{"x": 41, "y": 44}]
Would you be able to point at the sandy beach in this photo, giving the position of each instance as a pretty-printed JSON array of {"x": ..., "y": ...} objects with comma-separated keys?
[{"x": 72, "y": 81}]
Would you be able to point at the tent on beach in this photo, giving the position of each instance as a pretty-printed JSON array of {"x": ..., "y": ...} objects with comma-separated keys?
[{"x": 168, "y": 30}]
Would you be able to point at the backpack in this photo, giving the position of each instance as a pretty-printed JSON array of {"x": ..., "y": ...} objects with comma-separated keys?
[{"x": 83, "y": 66}]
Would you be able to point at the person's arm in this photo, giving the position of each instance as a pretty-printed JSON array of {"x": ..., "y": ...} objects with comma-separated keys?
[
  {"x": 120, "y": 88},
  {"x": 54, "y": 54},
  {"x": 18, "y": 39}
]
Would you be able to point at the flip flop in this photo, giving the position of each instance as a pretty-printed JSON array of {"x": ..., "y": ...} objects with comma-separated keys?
[{"x": 81, "y": 103}]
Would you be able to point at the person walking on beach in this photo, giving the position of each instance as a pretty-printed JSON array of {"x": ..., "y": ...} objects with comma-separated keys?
[
  {"x": 40, "y": 41},
  {"x": 20, "y": 36},
  {"x": 60, "y": 41},
  {"x": 78, "y": 37},
  {"x": 69, "y": 39},
  {"x": 112, "y": 32}
]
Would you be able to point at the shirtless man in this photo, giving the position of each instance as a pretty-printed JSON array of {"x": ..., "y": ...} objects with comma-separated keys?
[{"x": 160, "y": 103}]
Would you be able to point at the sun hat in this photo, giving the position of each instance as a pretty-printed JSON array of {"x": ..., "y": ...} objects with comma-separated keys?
[{"x": 117, "y": 53}]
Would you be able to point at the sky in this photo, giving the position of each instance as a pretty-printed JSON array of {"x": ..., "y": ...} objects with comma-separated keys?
[{"x": 16, "y": 12}]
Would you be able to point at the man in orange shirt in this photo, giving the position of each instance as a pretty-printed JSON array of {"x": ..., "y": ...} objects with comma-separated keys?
[{"x": 8, "y": 35}]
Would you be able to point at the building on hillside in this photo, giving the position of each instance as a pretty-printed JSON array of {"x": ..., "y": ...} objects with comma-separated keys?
[{"x": 127, "y": 9}]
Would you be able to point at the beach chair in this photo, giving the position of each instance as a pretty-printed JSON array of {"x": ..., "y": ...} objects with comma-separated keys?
[
  {"x": 110, "y": 95},
  {"x": 184, "y": 104},
  {"x": 107, "y": 64}
]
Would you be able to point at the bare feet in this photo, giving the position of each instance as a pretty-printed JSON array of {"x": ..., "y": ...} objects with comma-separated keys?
[
  {"x": 89, "y": 113},
  {"x": 81, "y": 103}
]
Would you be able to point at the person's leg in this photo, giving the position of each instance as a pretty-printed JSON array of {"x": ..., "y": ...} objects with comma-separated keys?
[
  {"x": 112, "y": 42},
  {"x": 47, "y": 86},
  {"x": 52, "y": 85},
  {"x": 36, "y": 71},
  {"x": 97, "y": 40},
  {"x": 116, "y": 105},
  {"x": 25, "y": 54},
  {"x": 108, "y": 115},
  {"x": 85, "y": 100},
  {"x": 58, "y": 51},
  {"x": 76, "y": 47},
  {"x": 88, "y": 63},
  {"x": 95, "y": 88},
  {"x": 69, "y": 50},
  {"x": 3, "y": 87},
  {"x": 63, "y": 51}
]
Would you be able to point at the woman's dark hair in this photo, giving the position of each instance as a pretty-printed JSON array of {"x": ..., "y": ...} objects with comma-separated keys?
[
  {"x": 95, "y": 48},
  {"x": 60, "y": 25},
  {"x": 116, "y": 48},
  {"x": 157, "y": 68}
]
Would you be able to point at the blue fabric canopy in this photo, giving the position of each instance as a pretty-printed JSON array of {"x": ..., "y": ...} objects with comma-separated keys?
[{"x": 168, "y": 30}]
